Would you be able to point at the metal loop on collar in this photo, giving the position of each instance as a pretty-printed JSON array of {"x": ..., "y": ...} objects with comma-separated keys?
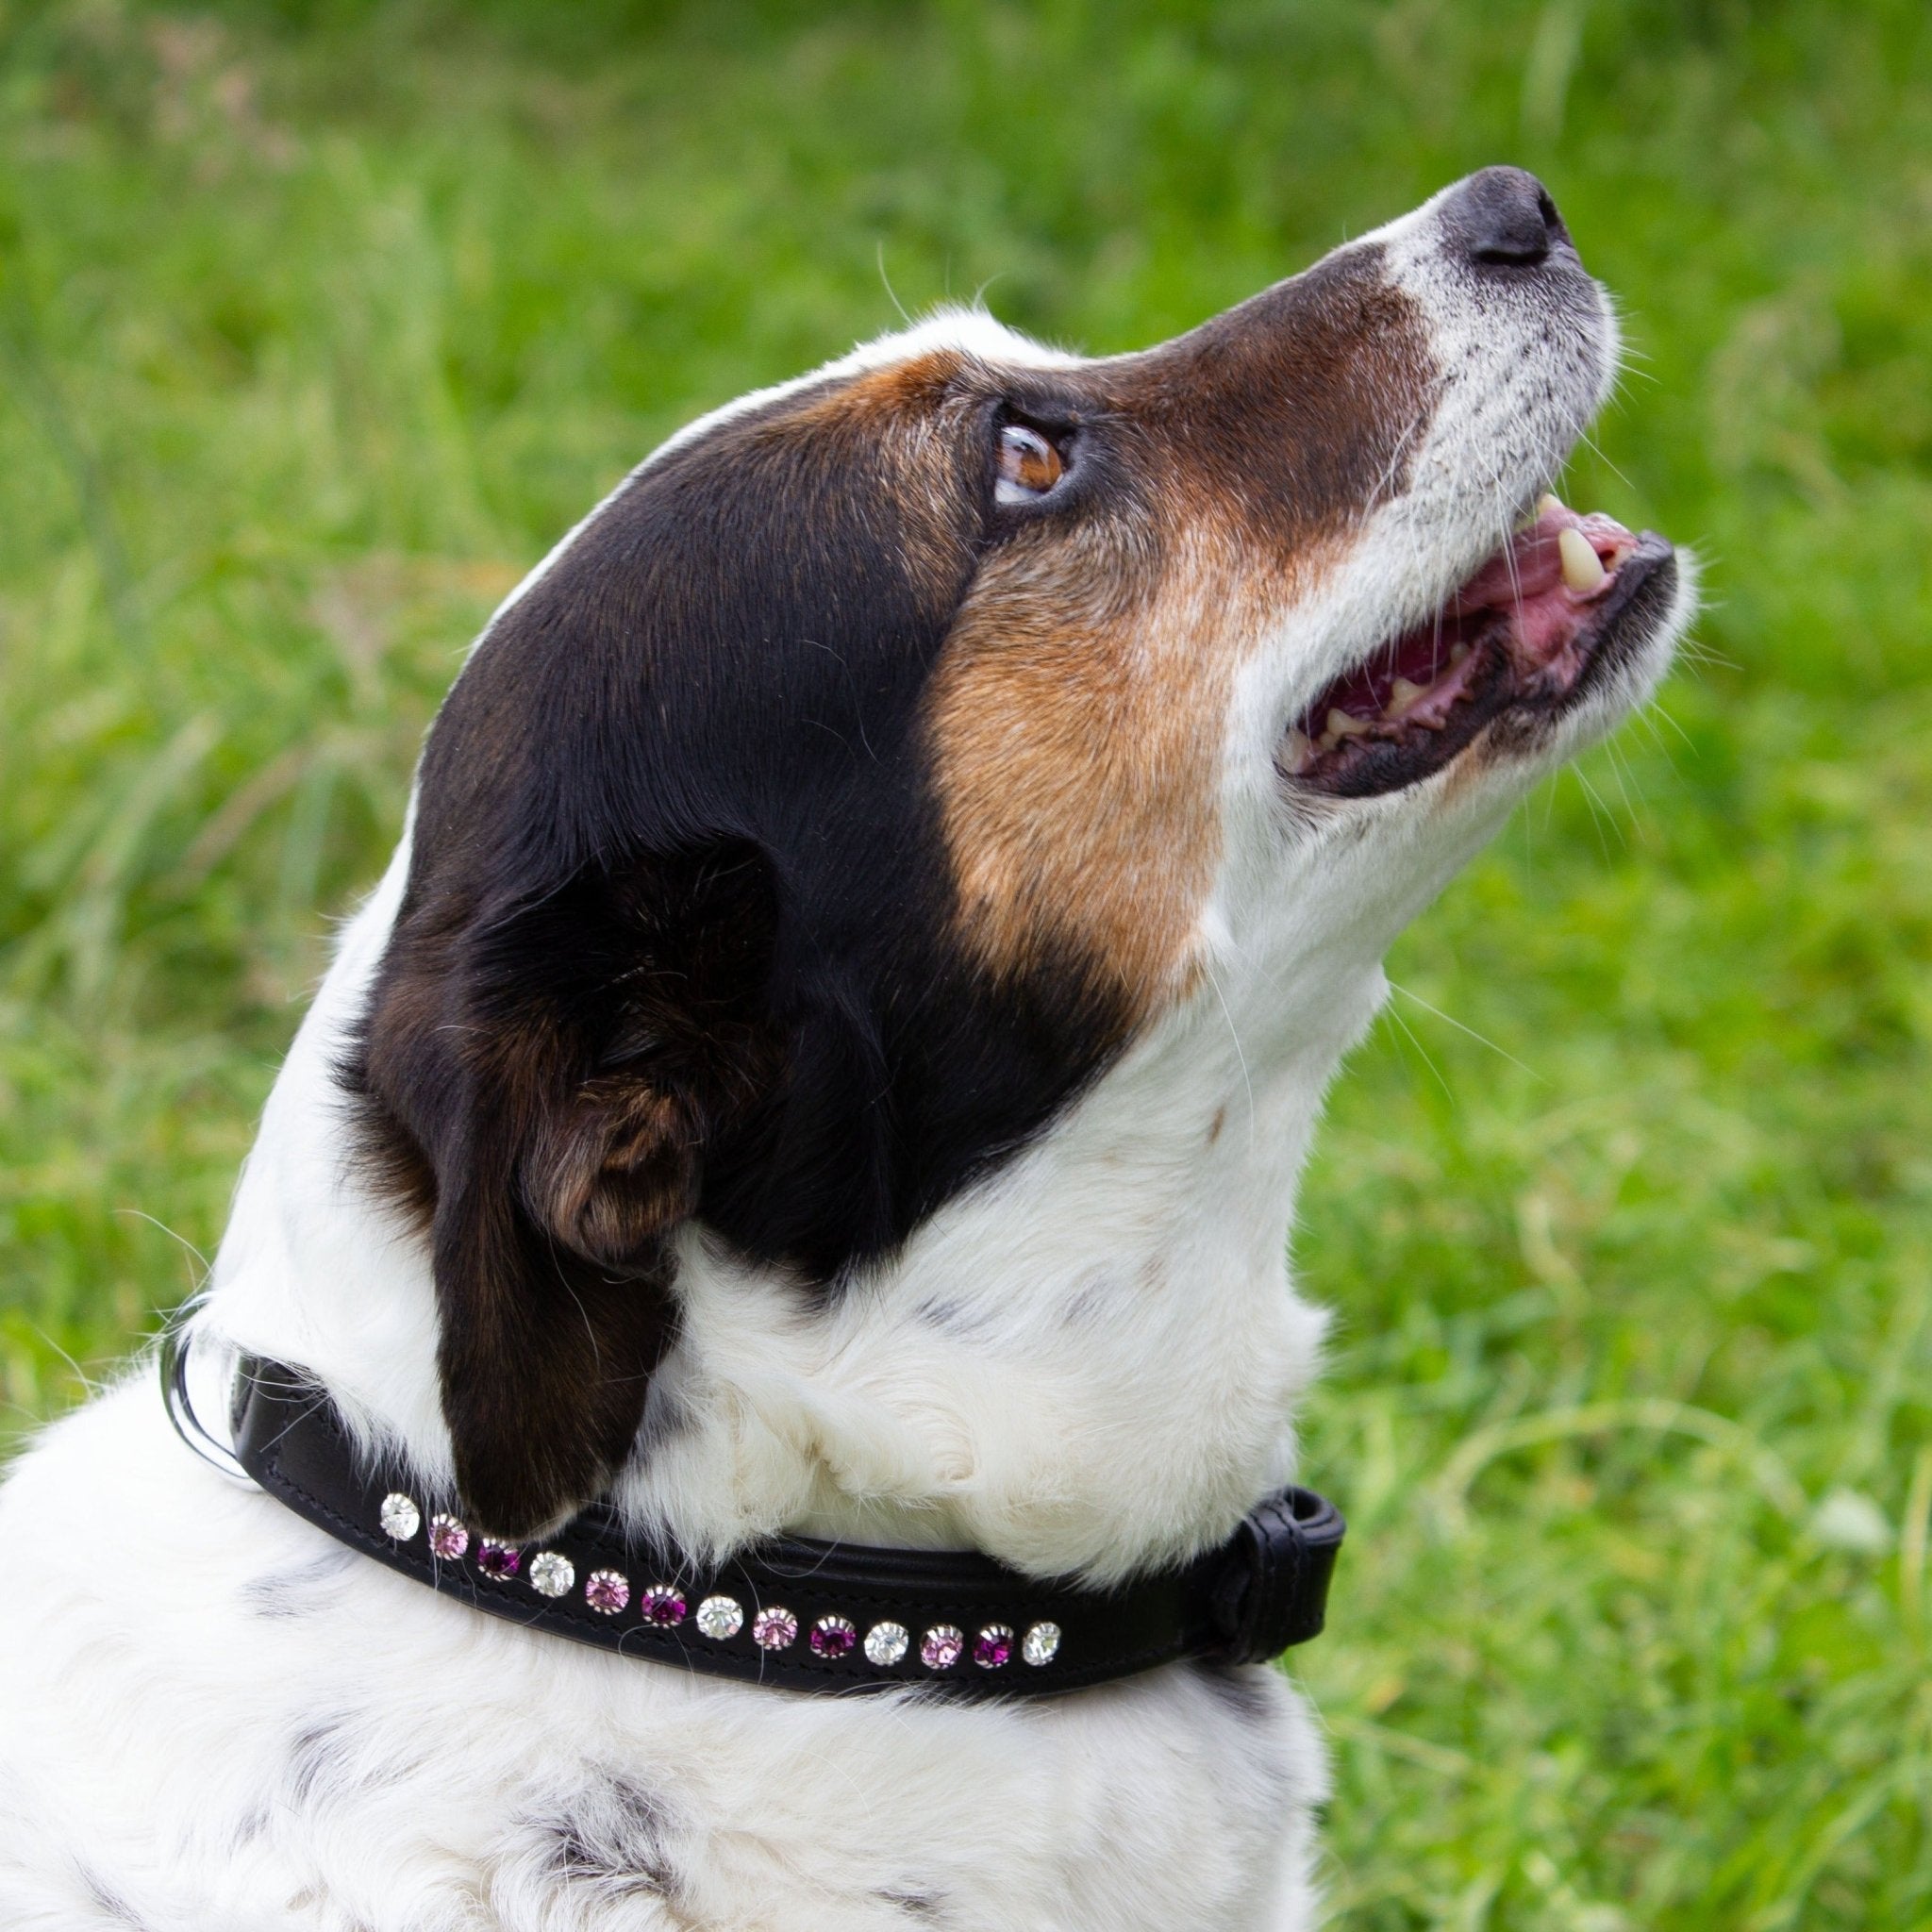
[{"x": 177, "y": 1338}]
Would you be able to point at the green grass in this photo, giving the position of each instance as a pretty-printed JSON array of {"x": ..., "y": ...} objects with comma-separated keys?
[{"x": 318, "y": 323}]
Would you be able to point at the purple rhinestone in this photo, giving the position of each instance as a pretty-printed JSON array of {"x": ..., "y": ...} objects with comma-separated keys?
[
  {"x": 607, "y": 1591},
  {"x": 774, "y": 1628},
  {"x": 833, "y": 1636},
  {"x": 993, "y": 1647},
  {"x": 497, "y": 1559},
  {"x": 448, "y": 1538},
  {"x": 662, "y": 1604},
  {"x": 940, "y": 1648}
]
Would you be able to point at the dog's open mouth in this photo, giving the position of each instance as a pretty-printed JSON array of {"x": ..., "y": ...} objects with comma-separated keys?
[{"x": 1526, "y": 633}]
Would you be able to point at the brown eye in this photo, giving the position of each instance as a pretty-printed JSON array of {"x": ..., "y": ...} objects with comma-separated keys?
[{"x": 1029, "y": 465}]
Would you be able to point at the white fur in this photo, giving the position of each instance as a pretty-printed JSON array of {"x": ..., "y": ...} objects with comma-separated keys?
[{"x": 217, "y": 1721}]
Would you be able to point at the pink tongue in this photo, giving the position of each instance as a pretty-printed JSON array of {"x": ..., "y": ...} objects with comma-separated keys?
[{"x": 1526, "y": 577}]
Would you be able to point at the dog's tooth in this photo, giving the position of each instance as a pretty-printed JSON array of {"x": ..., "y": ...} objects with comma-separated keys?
[
  {"x": 1402, "y": 694},
  {"x": 1545, "y": 503},
  {"x": 1298, "y": 754},
  {"x": 1457, "y": 652},
  {"x": 1341, "y": 725},
  {"x": 1582, "y": 568}
]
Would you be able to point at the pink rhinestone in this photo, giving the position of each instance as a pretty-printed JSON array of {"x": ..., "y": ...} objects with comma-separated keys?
[
  {"x": 940, "y": 1648},
  {"x": 774, "y": 1629},
  {"x": 993, "y": 1647},
  {"x": 833, "y": 1636},
  {"x": 499, "y": 1560},
  {"x": 606, "y": 1591},
  {"x": 663, "y": 1605},
  {"x": 448, "y": 1538}
]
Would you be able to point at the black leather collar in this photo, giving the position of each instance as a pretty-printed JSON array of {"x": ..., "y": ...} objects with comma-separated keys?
[{"x": 791, "y": 1611}]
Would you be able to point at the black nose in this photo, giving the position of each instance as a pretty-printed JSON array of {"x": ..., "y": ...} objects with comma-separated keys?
[{"x": 1503, "y": 216}]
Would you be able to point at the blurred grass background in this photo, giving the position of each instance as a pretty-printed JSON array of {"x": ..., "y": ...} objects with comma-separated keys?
[{"x": 319, "y": 322}]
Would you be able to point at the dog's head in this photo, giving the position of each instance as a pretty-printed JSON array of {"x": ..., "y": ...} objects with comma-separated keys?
[{"x": 893, "y": 750}]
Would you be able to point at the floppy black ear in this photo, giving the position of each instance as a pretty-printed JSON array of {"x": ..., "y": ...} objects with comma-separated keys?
[{"x": 542, "y": 1071}]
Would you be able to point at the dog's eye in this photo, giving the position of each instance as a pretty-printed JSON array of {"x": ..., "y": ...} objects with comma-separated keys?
[{"x": 1030, "y": 466}]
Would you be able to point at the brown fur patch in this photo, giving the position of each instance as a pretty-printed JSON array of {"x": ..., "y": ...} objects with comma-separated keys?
[
  {"x": 1079, "y": 754},
  {"x": 1078, "y": 715}
]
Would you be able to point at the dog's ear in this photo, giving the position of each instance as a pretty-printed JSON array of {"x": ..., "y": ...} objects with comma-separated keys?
[{"x": 543, "y": 1074}]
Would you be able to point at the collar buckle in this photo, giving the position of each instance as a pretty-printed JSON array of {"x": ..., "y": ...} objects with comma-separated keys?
[{"x": 1273, "y": 1592}]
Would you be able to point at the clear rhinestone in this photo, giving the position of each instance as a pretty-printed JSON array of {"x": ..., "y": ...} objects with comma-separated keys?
[
  {"x": 400, "y": 1518},
  {"x": 993, "y": 1647},
  {"x": 499, "y": 1560},
  {"x": 885, "y": 1644},
  {"x": 606, "y": 1592},
  {"x": 721, "y": 1617},
  {"x": 1040, "y": 1644},
  {"x": 940, "y": 1648},
  {"x": 774, "y": 1628},
  {"x": 662, "y": 1604},
  {"x": 833, "y": 1636},
  {"x": 447, "y": 1538},
  {"x": 552, "y": 1573}
]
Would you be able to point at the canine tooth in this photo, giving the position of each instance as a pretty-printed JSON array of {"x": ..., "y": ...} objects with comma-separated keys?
[
  {"x": 1298, "y": 752},
  {"x": 1402, "y": 694},
  {"x": 1545, "y": 503},
  {"x": 1582, "y": 568},
  {"x": 1457, "y": 652},
  {"x": 1341, "y": 725}
]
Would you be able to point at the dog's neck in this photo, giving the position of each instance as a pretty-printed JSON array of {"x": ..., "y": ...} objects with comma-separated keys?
[{"x": 1086, "y": 1364}]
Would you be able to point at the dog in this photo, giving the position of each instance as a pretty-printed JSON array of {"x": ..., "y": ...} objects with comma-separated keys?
[{"x": 832, "y": 1054}]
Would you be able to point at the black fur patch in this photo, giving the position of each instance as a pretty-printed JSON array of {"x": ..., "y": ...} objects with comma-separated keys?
[
  {"x": 615, "y": 1840},
  {"x": 1246, "y": 1689},
  {"x": 301, "y": 1591},
  {"x": 674, "y": 942},
  {"x": 915, "y": 1901},
  {"x": 318, "y": 1758},
  {"x": 108, "y": 1903}
]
